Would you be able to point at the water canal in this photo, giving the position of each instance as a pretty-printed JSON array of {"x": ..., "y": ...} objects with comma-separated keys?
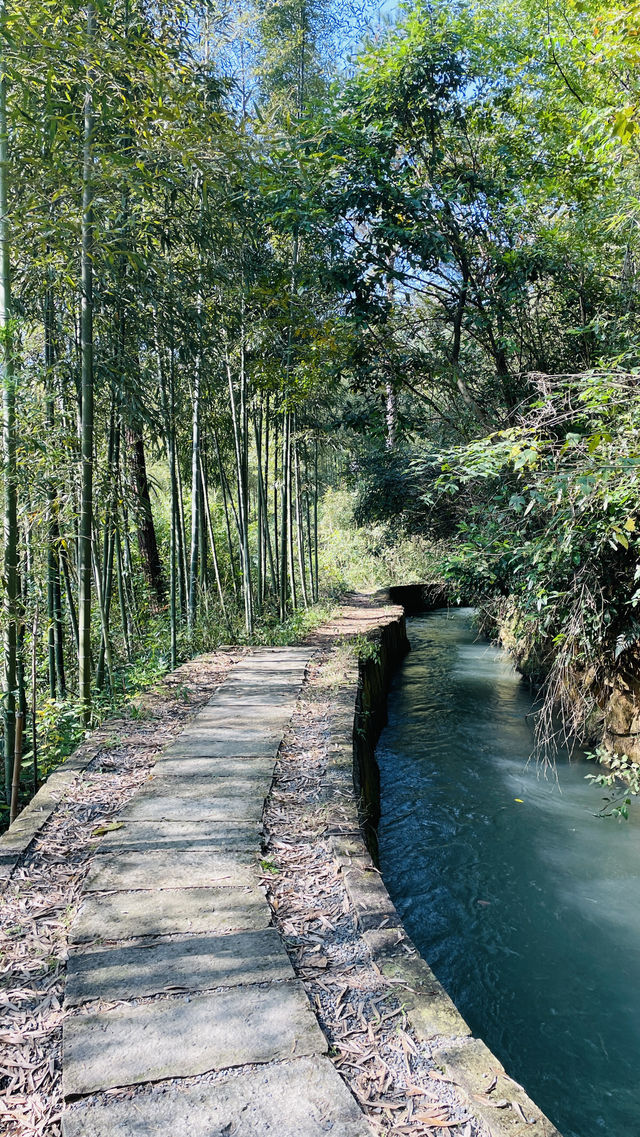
[{"x": 525, "y": 904}]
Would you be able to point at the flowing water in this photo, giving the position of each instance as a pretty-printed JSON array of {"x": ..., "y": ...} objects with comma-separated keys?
[{"x": 526, "y": 905}]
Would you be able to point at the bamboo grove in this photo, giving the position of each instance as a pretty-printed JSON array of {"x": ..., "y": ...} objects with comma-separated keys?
[
  {"x": 242, "y": 271},
  {"x": 156, "y": 316}
]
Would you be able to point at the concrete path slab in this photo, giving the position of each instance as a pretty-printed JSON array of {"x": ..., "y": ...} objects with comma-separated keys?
[
  {"x": 255, "y": 694},
  {"x": 211, "y": 744},
  {"x": 171, "y": 903},
  {"x": 260, "y": 695},
  {"x": 176, "y": 834},
  {"x": 302, "y": 1098},
  {"x": 171, "y": 868},
  {"x": 223, "y": 716},
  {"x": 183, "y": 766},
  {"x": 192, "y": 963},
  {"x": 275, "y": 664},
  {"x": 180, "y": 1037},
  {"x": 242, "y": 728},
  {"x": 199, "y": 799},
  {"x": 277, "y": 651},
  {"x": 253, "y": 704},
  {"x": 292, "y": 669},
  {"x": 113, "y": 916},
  {"x": 230, "y": 730},
  {"x": 268, "y": 676},
  {"x": 240, "y": 767},
  {"x": 258, "y": 683}
]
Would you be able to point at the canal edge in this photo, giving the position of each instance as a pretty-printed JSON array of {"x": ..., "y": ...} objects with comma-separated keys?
[{"x": 358, "y": 716}]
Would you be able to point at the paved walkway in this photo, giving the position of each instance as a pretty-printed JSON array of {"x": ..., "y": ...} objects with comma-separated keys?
[{"x": 174, "y": 971}]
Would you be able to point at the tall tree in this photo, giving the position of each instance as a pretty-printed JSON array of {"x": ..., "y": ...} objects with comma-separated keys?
[{"x": 85, "y": 532}]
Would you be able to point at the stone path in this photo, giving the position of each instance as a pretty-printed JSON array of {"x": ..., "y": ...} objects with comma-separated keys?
[{"x": 174, "y": 970}]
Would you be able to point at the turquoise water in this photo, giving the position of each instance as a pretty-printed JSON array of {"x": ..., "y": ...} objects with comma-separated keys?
[{"x": 528, "y": 911}]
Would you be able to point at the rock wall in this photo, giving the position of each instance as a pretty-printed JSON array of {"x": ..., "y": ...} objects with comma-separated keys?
[
  {"x": 416, "y": 598},
  {"x": 621, "y": 726},
  {"x": 390, "y": 645}
]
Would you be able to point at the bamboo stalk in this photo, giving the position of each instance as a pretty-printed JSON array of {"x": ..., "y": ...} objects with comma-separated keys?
[
  {"x": 168, "y": 411},
  {"x": 73, "y": 619},
  {"x": 225, "y": 503},
  {"x": 315, "y": 520},
  {"x": 122, "y": 597},
  {"x": 182, "y": 544},
  {"x": 17, "y": 766},
  {"x": 85, "y": 533},
  {"x": 241, "y": 517},
  {"x": 195, "y": 495},
  {"x": 104, "y": 619},
  {"x": 289, "y": 509},
  {"x": 299, "y": 529},
  {"x": 34, "y": 699}
]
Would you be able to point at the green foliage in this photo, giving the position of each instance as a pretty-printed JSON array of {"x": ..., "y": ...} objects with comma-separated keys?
[
  {"x": 555, "y": 523},
  {"x": 273, "y": 632},
  {"x": 59, "y": 730},
  {"x": 493, "y": 210},
  {"x": 622, "y": 778},
  {"x": 366, "y": 650},
  {"x": 365, "y": 557},
  {"x": 547, "y": 531}
]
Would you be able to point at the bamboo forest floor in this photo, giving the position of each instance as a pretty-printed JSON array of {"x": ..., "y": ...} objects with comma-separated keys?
[{"x": 180, "y": 958}]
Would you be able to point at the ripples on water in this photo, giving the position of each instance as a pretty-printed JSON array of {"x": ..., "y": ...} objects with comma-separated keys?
[{"x": 528, "y": 911}]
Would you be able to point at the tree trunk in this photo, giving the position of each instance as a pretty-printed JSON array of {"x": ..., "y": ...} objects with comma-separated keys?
[
  {"x": 214, "y": 551},
  {"x": 195, "y": 497},
  {"x": 299, "y": 526},
  {"x": 284, "y": 516},
  {"x": 225, "y": 503},
  {"x": 145, "y": 528},
  {"x": 170, "y": 442}
]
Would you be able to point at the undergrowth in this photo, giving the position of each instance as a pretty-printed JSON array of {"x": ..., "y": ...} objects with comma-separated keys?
[
  {"x": 622, "y": 780},
  {"x": 58, "y": 722},
  {"x": 363, "y": 558}
]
